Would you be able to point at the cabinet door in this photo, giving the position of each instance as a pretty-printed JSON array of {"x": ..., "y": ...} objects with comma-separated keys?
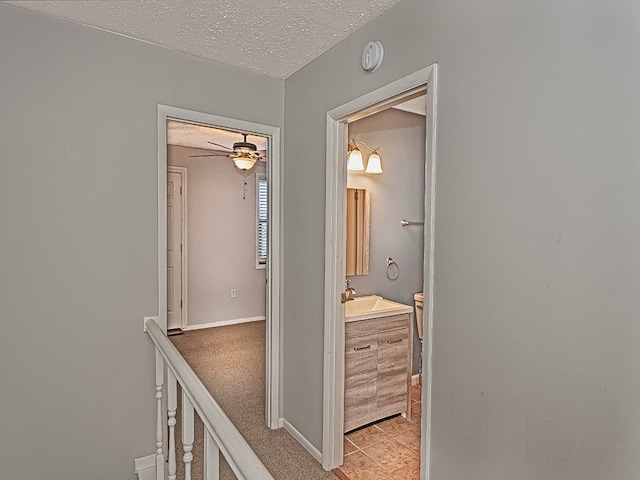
[
  {"x": 361, "y": 370},
  {"x": 393, "y": 370}
]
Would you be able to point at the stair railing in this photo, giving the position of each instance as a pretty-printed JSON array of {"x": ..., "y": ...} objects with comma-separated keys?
[{"x": 221, "y": 436}]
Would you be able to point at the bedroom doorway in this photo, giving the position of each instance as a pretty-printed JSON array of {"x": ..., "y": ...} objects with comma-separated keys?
[{"x": 272, "y": 263}]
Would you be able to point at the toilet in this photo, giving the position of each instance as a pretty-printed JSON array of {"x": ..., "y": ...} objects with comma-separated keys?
[{"x": 418, "y": 299}]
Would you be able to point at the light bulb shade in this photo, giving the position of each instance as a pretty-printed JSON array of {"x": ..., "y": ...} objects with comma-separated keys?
[
  {"x": 355, "y": 161},
  {"x": 244, "y": 163},
  {"x": 374, "y": 165}
]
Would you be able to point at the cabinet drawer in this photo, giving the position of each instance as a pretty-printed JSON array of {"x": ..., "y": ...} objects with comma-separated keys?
[{"x": 376, "y": 325}]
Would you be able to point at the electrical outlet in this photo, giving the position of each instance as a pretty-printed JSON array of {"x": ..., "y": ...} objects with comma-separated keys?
[{"x": 233, "y": 293}]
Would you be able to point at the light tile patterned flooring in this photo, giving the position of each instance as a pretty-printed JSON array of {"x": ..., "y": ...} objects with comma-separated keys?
[{"x": 389, "y": 449}]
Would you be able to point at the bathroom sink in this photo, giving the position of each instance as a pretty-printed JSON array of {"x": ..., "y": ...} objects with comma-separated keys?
[{"x": 373, "y": 306}]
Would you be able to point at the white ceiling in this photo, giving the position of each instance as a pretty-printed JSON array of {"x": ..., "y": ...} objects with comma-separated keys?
[
  {"x": 198, "y": 136},
  {"x": 271, "y": 37},
  {"x": 417, "y": 105}
]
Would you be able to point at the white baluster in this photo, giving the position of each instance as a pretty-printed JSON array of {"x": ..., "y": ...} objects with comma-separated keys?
[
  {"x": 187, "y": 434},
  {"x": 172, "y": 405},
  {"x": 211, "y": 458},
  {"x": 159, "y": 423}
]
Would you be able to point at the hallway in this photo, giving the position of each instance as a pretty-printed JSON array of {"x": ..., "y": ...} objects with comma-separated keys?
[{"x": 230, "y": 362}]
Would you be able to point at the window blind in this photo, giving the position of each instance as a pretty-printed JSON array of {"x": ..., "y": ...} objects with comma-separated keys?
[{"x": 261, "y": 226}]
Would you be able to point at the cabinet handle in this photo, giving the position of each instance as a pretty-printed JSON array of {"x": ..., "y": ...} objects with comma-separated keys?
[
  {"x": 394, "y": 341},
  {"x": 362, "y": 348}
]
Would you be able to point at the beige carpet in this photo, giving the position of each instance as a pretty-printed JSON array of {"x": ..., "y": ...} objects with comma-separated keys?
[{"x": 230, "y": 361}]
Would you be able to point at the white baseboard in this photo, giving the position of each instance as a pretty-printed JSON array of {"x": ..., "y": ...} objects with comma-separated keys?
[
  {"x": 415, "y": 379},
  {"x": 223, "y": 323},
  {"x": 143, "y": 463},
  {"x": 301, "y": 440}
]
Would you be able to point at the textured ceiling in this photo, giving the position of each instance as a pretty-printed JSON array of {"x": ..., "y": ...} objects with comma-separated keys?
[{"x": 271, "y": 37}]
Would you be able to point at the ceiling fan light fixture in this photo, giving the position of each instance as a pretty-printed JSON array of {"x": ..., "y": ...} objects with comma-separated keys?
[
  {"x": 244, "y": 147},
  {"x": 244, "y": 162},
  {"x": 244, "y": 154}
]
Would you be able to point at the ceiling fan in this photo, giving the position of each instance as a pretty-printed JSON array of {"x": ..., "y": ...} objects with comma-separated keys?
[{"x": 244, "y": 154}]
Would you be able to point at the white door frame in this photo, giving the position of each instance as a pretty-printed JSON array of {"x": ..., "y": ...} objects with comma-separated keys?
[
  {"x": 182, "y": 171},
  {"x": 335, "y": 238},
  {"x": 274, "y": 264}
]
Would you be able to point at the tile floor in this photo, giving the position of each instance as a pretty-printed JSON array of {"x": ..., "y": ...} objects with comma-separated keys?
[{"x": 389, "y": 449}]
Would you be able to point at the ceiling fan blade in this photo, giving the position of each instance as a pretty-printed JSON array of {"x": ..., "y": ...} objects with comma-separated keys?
[
  {"x": 210, "y": 155},
  {"x": 223, "y": 146}
]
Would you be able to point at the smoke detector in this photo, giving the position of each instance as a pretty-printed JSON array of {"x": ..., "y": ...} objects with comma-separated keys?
[{"x": 372, "y": 56}]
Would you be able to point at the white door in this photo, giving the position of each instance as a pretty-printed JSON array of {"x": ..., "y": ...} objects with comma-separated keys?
[{"x": 174, "y": 250}]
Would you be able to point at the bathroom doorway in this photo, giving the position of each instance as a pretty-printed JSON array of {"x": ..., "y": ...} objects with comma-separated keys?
[
  {"x": 385, "y": 248},
  {"x": 338, "y": 120},
  {"x": 253, "y": 206}
]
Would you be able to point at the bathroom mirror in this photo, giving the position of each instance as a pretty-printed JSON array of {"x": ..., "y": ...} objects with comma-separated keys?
[{"x": 358, "y": 213}]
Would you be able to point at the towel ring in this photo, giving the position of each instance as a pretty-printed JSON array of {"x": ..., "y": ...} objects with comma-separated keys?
[{"x": 392, "y": 273}]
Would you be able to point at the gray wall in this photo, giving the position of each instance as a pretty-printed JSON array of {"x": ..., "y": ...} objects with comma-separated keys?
[
  {"x": 537, "y": 231},
  {"x": 78, "y": 129},
  {"x": 221, "y": 239},
  {"x": 395, "y": 194},
  {"x": 537, "y": 240}
]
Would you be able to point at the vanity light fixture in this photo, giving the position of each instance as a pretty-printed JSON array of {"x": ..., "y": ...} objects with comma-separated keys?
[
  {"x": 354, "y": 156},
  {"x": 373, "y": 165}
]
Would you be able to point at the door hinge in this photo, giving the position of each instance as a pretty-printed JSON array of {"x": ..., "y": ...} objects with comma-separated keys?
[
  {"x": 180, "y": 190},
  {"x": 180, "y": 303}
]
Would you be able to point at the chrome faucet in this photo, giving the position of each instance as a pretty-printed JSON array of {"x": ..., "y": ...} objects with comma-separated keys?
[{"x": 349, "y": 292}]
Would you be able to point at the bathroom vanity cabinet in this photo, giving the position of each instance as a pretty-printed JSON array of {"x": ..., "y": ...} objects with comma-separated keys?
[{"x": 377, "y": 382}]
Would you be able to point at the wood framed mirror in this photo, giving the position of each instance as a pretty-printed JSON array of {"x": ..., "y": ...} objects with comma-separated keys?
[{"x": 358, "y": 226}]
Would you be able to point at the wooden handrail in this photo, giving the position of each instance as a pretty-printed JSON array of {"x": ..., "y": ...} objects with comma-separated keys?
[{"x": 241, "y": 458}]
